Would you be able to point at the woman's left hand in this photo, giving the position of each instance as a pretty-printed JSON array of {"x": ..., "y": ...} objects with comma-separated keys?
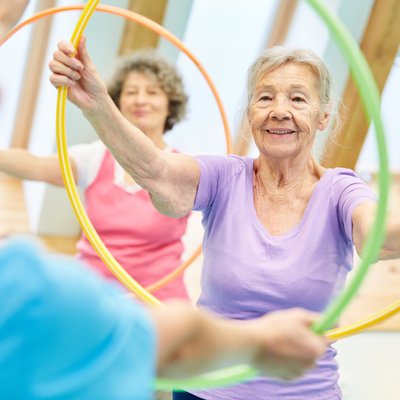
[{"x": 85, "y": 87}]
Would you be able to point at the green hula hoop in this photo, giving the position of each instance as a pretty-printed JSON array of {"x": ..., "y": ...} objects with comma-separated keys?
[{"x": 371, "y": 101}]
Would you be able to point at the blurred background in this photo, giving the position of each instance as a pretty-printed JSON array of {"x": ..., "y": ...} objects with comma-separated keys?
[{"x": 226, "y": 36}]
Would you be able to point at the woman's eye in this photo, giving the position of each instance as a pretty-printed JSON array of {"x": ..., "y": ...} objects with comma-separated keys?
[
  {"x": 265, "y": 98},
  {"x": 297, "y": 99}
]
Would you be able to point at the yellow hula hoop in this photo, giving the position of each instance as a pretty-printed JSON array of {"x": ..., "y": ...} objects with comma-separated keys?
[
  {"x": 90, "y": 232},
  {"x": 87, "y": 227},
  {"x": 367, "y": 322},
  {"x": 333, "y": 334}
]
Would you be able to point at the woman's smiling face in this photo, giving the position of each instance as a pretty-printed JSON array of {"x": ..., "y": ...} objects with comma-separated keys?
[
  {"x": 285, "y": 111},
  {"x": 144, "y": 103}
]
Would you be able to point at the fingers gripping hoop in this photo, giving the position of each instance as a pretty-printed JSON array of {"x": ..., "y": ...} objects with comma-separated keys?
[{"x": 371, "y": 101}]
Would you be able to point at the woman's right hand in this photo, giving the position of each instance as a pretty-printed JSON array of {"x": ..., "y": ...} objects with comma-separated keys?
[{"x": 76, "y": 71}]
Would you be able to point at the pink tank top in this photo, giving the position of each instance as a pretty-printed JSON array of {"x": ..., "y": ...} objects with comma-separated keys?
[{"x": 145, "y": 242}]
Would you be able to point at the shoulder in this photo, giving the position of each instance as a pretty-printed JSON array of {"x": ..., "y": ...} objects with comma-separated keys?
[
  {"x": 83, "y": 150},
  {"x": 340, "y": 179},
  {"x": 344, "y": 175},
  {"x": 88, "y": 158},
  {"x": 217, "y": 173},
  {"x": 348, "y": 189},
  {"x": 230, "y": 164}
]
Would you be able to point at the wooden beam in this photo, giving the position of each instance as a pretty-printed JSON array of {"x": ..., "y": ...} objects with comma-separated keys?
[
  {"x": 283, "y": 18},
  {"x": 31, "y": 82},
  {"x": 136, "y": 36},
  {"x": 380, "y": 45}
]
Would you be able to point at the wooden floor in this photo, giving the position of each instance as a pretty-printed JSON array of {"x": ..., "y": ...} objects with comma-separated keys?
[
  {"x": 13, "y": 215},
  {"x": 381, "y": 288}
]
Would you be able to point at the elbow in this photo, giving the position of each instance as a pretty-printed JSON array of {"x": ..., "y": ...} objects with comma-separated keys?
[
  {"x": 165, "y": 206},
  {"x": 389, "y": 254},
  {"x": 384, "y": 254},
  {"x": 56, "y": 179}
]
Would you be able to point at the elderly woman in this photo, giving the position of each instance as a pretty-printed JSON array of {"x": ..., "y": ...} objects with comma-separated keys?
[
  {"x": 279, "y": 229},
  {"x": 149, "y": 93}
]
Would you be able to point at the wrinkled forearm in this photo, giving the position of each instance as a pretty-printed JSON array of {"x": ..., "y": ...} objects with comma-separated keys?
[
  {"x": 391, "y": 244},
  {"x": 171, "y": 179},
  {"x": 363, "y": 221},
  {"x": 133, "y": 150},
  {"x": 199, "y": 343}
]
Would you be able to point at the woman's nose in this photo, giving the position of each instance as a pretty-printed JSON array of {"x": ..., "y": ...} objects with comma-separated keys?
[
  {"x": 280, "y": 109},
  {"x": 140, "y": 97}
]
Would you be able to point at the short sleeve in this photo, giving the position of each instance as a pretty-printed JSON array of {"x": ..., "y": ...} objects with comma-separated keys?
[
  {"x": 215, "y": 173},
  {"x": 65, "y": 333},
  {"x": 87, "y": 158},
  {"x": 350, "y": 191}
]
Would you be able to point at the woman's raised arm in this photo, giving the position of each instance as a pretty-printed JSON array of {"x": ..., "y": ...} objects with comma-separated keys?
[{"x": 171, "y": 179}]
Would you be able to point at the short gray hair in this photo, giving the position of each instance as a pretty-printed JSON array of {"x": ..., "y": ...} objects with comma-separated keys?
[
  {"x": 278, "y": 56},
  {"x": 147, "y": 61}
]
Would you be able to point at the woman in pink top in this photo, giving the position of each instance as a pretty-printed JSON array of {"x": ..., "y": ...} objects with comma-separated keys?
[{"x": 150, "y": 94}]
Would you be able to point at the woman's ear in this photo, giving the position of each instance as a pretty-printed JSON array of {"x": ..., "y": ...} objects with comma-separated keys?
[{"x": 324, "y": 118}]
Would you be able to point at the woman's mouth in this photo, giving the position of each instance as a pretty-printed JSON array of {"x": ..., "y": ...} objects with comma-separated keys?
[
  {"x": 140, "y": 113},
  {"x": 281, "y": 131}
]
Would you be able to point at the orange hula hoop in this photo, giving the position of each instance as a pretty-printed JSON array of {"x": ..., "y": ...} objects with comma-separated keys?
[{"x": 144, "y": 21}]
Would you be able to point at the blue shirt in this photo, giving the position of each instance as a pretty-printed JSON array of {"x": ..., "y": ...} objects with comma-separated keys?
[{"x": 67, "y": 334}]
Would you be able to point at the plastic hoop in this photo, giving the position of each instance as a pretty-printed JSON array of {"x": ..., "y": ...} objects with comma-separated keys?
[{"x": 370, "y": 97}]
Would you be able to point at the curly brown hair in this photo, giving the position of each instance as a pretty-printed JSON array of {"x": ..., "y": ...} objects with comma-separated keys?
[{"x": 147, "y": 61}]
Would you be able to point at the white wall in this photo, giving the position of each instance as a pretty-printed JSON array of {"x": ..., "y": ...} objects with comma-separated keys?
[
  {"x": 226, "y": 37},
  {"x": 368, "y": 160},
  {"x": 370, "y": 366}
]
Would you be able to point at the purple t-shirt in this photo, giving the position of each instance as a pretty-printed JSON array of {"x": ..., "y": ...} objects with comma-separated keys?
[{"x": 247, "y": 272}]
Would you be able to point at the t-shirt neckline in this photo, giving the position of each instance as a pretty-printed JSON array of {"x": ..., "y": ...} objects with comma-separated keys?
[{"x": 294, "y": 230}]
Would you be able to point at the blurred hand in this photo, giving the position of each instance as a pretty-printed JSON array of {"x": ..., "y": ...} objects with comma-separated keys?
[{"x": 288, "y": 347}]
